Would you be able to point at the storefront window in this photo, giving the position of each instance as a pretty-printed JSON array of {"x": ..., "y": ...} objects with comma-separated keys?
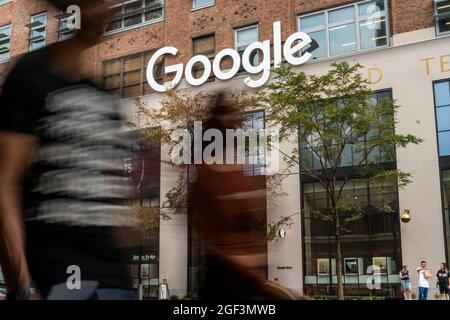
[
  {"x": 372, "y": 240},
  {"x": 142, "y": 166},
  {"x": 442, "y": 104},
  {"x": 346, "y": 30},
  {"x": 445, "y": 182}
]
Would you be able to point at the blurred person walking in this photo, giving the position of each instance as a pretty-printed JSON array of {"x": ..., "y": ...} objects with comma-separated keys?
[
  {"x": 228, "y": 209},
  {"x": 61, "y": 165}
]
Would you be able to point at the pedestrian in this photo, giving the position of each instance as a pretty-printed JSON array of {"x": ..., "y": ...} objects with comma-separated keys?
[
  {"x": 442, "y": 281},
  {"x": 423, "y": 284},
  {"x": 62, "y": 189},
  {"x": 228, "y": 209},
  {"x": 405, "y": 282}
]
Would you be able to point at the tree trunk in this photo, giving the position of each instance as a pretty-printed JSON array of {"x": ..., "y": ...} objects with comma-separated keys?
[{"x": 339, "y": 273}]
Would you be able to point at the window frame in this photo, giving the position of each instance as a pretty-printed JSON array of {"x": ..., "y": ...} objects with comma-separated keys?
[
  {"x": 64, "y": 17},
  {"x": 436, "y": 18},
  {"x": 9, "y": 40},
  {"x": 238, "y": 29},
  {"x": 123, "y": 17},
  {"x": 30, "y": 39},
  {"x": 436, "y": 115},
  {"x": 210, "y": 54},
  {"x": 122, "y": 73},
  {"x": 357, "y": 19},
  {"x": 203, "y": 6}
]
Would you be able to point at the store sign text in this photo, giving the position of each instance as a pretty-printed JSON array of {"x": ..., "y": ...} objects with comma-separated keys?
[{"x": 290, "y": 51}]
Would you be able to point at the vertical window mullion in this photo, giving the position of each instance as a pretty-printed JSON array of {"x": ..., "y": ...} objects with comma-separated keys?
[
  {"x": 358, "y": 35},
  {"x": 122, "y": 19},
  {"x": 327, "y": 34}
]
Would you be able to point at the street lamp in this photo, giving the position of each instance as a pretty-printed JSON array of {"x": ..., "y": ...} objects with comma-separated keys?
[{"x": 406, "y": 216}]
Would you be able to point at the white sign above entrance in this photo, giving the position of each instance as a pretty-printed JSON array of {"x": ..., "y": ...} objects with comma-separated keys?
[{"x": 291, "y": 51}]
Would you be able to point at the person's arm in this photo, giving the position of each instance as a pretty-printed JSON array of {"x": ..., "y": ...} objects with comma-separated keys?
[
  {"x": 16, "y": 149},
  {"x": 400, "y": 275}
]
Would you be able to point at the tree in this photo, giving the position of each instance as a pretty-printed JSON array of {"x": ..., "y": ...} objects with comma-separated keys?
[
  {"x": 178, "y": 110},
  {"x": 328, "y": 113}
]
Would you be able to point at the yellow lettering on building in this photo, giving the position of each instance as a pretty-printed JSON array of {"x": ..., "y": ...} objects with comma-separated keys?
[
  {"x": 445, "y": 62},
  {"x": 372, "y": 73},
  {"x": 427, "y": 65}
]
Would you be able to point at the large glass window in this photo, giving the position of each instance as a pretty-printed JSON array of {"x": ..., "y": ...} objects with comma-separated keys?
[
  {"x": 205, "y": 46},
  {"x": 372, "y": 240},
  {"x": 244, "y": 37},
  {"x": 442, "y": 16},
  {"x": 346, "y": 30},
  {"x": 132, "y": 13},
  {"x": 126, "y": 77},
  {"x": 5, "y": 43},
  {"x": 201, "y": 3},
  {"x": 142, "y": 165},
  {"x": 442, "y": 104},
  {"x": 351, "y": 155},
  {"x": 38, "y": 31}
]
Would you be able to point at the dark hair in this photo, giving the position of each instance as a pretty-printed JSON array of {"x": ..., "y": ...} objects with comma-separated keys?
[{"x": 423, "y": 261}]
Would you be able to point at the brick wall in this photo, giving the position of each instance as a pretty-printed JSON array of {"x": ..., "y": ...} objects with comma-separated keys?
[{"x": 181, "y": 24}]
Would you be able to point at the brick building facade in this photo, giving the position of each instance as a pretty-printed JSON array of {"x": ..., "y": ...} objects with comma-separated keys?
[
  {"x": 181, "y": 23},
  {"x": 407, "y": 58}
]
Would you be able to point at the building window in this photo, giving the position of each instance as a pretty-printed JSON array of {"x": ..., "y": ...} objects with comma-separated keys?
[
  {"x": 126, "y": 77},
  {"x": 5, "y": 43},
  {"x": 64, "y": 32},
  {"x": 254, "y": 121},
  {"x": 128, "y": 14},
  {"x": 445, "y": 182},
  {"x": 351, "y": 155},
  {"x": 205, "y": 46},
  {"x": 196, "y": 4},
  {"x": 372, "y": 240},
  {"x": 442, "y": 104},
  {"x": 346, "y": 30},
  {"x": 38, "y": 31},
  {"x": 442, "y": 16},
  {"x": 142, "y": 166},
  {"x": 244, "y": 37},
  {"x": 4, "y": 1}
]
